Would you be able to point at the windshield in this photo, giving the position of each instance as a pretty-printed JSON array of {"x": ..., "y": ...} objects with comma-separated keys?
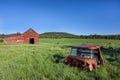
[{"x": 86, "y": 53}]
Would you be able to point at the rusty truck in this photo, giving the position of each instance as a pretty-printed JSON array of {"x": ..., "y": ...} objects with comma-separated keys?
[{"x": 86, "y": 57}]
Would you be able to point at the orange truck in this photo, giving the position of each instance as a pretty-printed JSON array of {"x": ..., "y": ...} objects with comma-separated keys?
[{"x": 85, "y": 57}]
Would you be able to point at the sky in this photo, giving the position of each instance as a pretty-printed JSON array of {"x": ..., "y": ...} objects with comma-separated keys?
[{"x": 80, "y": 17}]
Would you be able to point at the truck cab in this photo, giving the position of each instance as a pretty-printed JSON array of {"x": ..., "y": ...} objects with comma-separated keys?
[{"x": 85, "y": 56}]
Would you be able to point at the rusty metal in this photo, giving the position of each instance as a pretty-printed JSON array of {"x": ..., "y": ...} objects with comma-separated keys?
[{"x": 88, "y": 63}]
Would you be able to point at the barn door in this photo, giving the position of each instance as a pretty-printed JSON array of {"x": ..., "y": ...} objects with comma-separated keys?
[{"x": 31, "y": 41}]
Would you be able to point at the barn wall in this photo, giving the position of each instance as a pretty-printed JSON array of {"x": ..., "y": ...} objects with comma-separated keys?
[
  {"x": 23, "y": 38},
  {"x": 31, "y": 34},
  {"x": 17, "y": 39}
]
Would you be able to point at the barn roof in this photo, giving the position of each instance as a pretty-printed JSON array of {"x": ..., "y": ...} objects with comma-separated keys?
[
  {"x": 87, "y": 47},
  {"x": 19, "y": 34},
  {"x": 30, "y": 30}
]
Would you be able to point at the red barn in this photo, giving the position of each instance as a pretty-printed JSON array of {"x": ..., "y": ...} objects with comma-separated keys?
[{"x": 28, "y": 37}]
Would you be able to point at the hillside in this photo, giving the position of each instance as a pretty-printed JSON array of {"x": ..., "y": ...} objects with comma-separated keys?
[
  {"x": 68, "y": 35},
  {"x": 57, "y": 35}
]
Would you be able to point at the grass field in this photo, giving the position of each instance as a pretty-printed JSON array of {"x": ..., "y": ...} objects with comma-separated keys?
[{"x": 44, "y": 61}]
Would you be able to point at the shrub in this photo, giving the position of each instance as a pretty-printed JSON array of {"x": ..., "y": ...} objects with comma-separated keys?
[{"x": 1, "y": 40}]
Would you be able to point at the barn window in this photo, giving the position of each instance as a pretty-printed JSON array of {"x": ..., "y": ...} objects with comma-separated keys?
[{"x": 31, "y": 41}]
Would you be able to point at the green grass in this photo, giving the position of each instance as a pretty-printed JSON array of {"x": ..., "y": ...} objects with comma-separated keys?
[{"x": 44, "y": 61}]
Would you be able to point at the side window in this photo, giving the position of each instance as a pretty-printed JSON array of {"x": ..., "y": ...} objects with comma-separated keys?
[
  {"x": 78, "y": 52},
  {"x": 73, "y": 51}
]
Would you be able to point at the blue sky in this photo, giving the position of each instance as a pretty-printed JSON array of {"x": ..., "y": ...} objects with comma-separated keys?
[{"x": 81, "y": 17}]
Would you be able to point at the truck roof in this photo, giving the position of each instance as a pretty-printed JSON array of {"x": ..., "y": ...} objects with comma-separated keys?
[{"x": 87, "y": 47}]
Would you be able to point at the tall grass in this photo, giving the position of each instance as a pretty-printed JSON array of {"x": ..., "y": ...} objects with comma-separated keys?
[{"x": 44, "y": 61}]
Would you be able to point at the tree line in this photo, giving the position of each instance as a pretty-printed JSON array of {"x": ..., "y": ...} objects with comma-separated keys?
[
  {"x": 54, "y": 35},
  {"x": 68, "y": 35}
]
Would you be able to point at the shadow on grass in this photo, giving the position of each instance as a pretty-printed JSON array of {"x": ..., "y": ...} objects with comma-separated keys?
[
  {"x": 114, "y": 53},
  {"x": 57, "y": 58},
  {"x": 110, "y": 59},
  {"x": 110, "y": 50}
]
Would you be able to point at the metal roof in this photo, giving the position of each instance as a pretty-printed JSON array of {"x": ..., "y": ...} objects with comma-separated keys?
[{"x": 87, "y": 47}]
